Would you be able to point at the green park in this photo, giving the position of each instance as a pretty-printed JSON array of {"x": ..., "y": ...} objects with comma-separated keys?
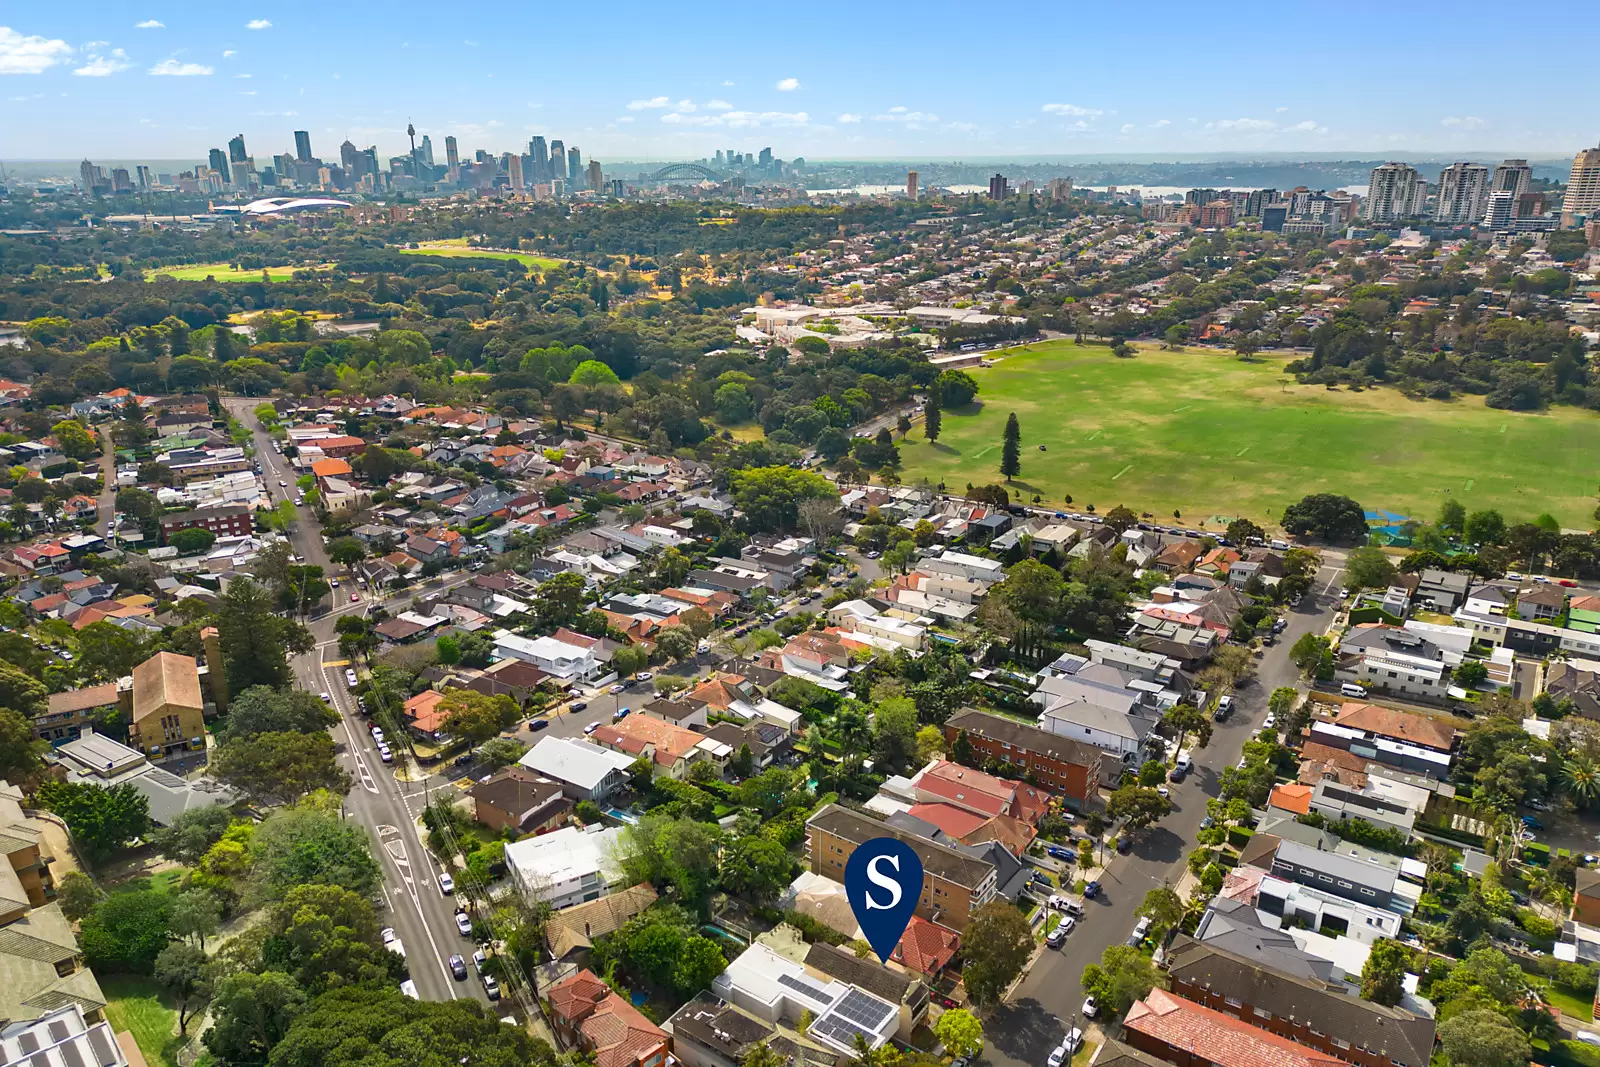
[
  {"x": 221, "y": 272},
  {"x": 532, "y": 262},
  {"x": 1204, "y": 434}
]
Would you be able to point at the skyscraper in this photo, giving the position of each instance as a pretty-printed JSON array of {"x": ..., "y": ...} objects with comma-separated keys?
[
  {"x": 1463, "y": 194},
  {"x": 1583, "y": 185},
  {"x": 541, "y": 160},
  {"x": 765, "y": 160},
  {"x": 1513, "y": 176},
  {"x": 452, "y": 160},
  {"x": 427, "y": 150},
  {"x": 911, "y": 185},
  {"x": 1502, "y": 206},
  {"x": 558, "y": 161},
  {"x": 574, "y": 167},
  {"x": 302, "y": 146},
  {"x": 514, "y": 171},
  {"x": 145, "y": 181},
  {"x": 236, "y": 152},
  {"x": 1396, "y": 191},
  {"x": 219, "y": 163},
  {"x": 997, "y": 187},
  {"x": 1060, "y": 190},
  {"x": 350, "y": 159},
  {"x": 597, "y": 180}
]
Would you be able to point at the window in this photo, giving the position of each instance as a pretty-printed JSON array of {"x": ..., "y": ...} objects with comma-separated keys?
[
  {"x": 1340, "y": 1043},
  {"x": 1325, "y": 878},
  {"x": 1260, "y": 1014},
  {"x": 1232, "y": 1003},
  {"x": 1367, "y": 892},
  {"x": 1345, "y": 885}
]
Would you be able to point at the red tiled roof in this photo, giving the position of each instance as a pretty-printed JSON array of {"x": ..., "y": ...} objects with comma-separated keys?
[
  {"x": 1212, "y": 1036},
  {"x": 1295, "y": 798},
  {"x": 615, "y": 1031},
  {"x": 992, "y": 795},
  {"x": 1403, "y": 725},
  {"x": 925, "y": 946}
]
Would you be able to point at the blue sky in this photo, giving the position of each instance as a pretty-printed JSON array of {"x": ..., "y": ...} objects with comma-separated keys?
[{"x": 626, "y": 81}]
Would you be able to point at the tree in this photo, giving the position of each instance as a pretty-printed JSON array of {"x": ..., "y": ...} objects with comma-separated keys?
[
  {"x": 566, "y": 404},
  {"x": 1483, "y": 1037},
  {"x": 1123, "y": 975},
  {"x": 181, "y": 970},
  {"x": 675, "y": 642},
  {"x": 192, "y": 833},
  {"x": 197, "y": 914},
  {"x": 251, "y": 1014},
  {"x": 1328, "y": 516},
  {"x": 1137, "y": 806},
  {"x": 263, "y": 710},
  {"x": 699, "y": 622},
  {"x": 1184, "y": 719},
  {"x": 1368, "y": 568},
  {"x": 700, "y": 961},
  {"x": 895, "y": 722},
  {"x": 255, "y": 639},
  {"x": 1383, "y": 976},
  {"x": 767, "y": 792},
  {"x": 1121, "y": 518},
  {"x": 998, "y": 944},
  {"x": 960, "y": 1032},
  {"x": 475, "y": 716},
  {"x": 1485, "y": 527},
  {"x": 304, "y": 846},
  {"x": 22, "y": 692},
  {"x": 346, "y": 551},
  {"x": 955, "y": 389},
  {"x": 77, "y": 894},
  {"x": 1307, "y": 652},
  {"x": 500, "y": 752},
  {"x": 1243, "y": 531},
  {"x": 1164, "y": 908},
  {"x": 1011, "y": 448},
  {"x": 770, "y": 497},
  {"x": 762, "y": 1055},
  {"x": 191, "y": 542},
  {"x": 325, "y": 936},
  {"x": 930, "y": 743},
  {"x": 21, "y": 753},
  {"x": 1470, "y": 674},
  {"x": 102, "y": 820},
  {"x": 932, "y": 417},
  {"x": 380, "y": 1027},
  {"x": 74, "y": 439},
  {"x": 629, "y": 660},
  {"x": 277, "y": 768},
  {"x": 591, "y": 372},
  {"x": 127, "y": 931}
]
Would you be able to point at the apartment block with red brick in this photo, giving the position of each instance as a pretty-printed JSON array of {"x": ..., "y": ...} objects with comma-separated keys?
[
  {"x": 234, "y": 520},
  {"x": 1063, "y": 766}
]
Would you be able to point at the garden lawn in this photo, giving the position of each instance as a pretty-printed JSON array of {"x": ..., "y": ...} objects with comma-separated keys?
[
  {"x": 1207, "y": 435},
  {"x": 138, "y": 1005},
  {"x": 221, "y": 272},
  {"x": 456, "y": 252}
]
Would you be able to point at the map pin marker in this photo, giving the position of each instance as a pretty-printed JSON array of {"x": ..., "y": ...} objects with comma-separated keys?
[{"x": 883, "y": 882}]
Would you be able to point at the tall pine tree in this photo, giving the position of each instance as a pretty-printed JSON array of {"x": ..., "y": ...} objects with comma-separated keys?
[
  {"x": 932, "y": 418},
  {"x": 1011, "y": 451}
]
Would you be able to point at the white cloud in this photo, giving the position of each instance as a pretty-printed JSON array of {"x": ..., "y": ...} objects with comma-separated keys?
[
  {"x": 687, "y": 106},
  {"x": 171, "y": 68},
  {"x": 626, "y": 118},
  {"x": 788, "y": 85},
  {"x": 739, "y": 119},
  {"x": 1247, "y": 125},
  {"x": 1158, "y": 123},
  {"x": 92, "y": 45},
  {"x": 229, "y": 53},
  {"x": 1128, "y": 127},
  {"x": 963, "y": 127},
  {"x": 1305, "y": 127},
  {"x": 1463, "y": 122},
  {"x": 913, "y": 119},
  {"x": 1071, "y": 109},
  {"x": 849, "y": 119},
  {"x": 718, "y": 105},
  {"x": 258, "y": 24},
  {"x": 1281, "y": 110},
  {"x": 247, "y": 92},
  {"x": 30, "y": 55},
  {"x": 102, "y": 66},
  {"x": 650, "y": 104},
  {"x": 150, "y": 24}
]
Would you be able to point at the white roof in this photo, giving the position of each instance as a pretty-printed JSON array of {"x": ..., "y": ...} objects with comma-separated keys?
[
  {"x": 568, "y": 854},
  {"x": 578, "y": 763}
]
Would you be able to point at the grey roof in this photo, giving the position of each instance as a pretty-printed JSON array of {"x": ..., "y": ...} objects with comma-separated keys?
[
  {"x": 1392, "y": 1032},
  {"x": 1237, "y": 927},
  {"x": 1024, "y": 736},
  {"x": 942, "y": 861},
  {"x": 874, "y": 977}
]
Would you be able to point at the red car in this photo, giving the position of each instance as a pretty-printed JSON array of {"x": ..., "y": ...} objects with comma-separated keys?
[{"x": 1568, "y": 582}]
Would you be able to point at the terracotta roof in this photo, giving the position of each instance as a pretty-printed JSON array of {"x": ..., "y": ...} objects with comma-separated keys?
[
  {"x": 672, "y": 742},
  {"x": 96, "y": 696},
  {"x": 1319, "y": 762},
  {"x": 166, "y": 679},
  {"x": 1217, "y": 1038},
  {"x": 995, "y": 796},
  {"x": 926, "y": 946},
  {"x": 615, "y": 1031},
  {"x": 1402, "y": 725},
  {"x": 577, "y": 926},
  {"x": 330, "y": 468},
  {"x": 423, "y": 711},
  {"x": 1295, "y": 798}
]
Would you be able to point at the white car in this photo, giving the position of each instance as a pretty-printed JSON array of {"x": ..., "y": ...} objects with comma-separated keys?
[
  {"x": 1163, "y": 790},
  {"x": 591, "y": 728},
  {"x": 447, "y": 884},
  {"x": 618, "y": 688},
  {"x": 377, "y": 735},
  {"x": 463, "y": 924},
  {"x": 387, "y": 933},
  {"x": 703, "y": 647},
  {"x": 1090, "y": 1008},
  {"x": 385, "y": 754},
  {"x": 333, "y": 583}
]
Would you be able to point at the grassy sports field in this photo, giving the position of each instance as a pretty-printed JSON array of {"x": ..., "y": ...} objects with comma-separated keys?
[
  {"x": 1208, "y": 435},
  {"x": 459, "y": 252},
  {"x": 222, "y": 272}
]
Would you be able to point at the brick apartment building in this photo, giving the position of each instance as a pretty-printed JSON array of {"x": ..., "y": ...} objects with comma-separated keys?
[
  {"x": 954, "y": 883},
  {"x": 1061, "y": 765},
  {"x": 233, "y": 520}
]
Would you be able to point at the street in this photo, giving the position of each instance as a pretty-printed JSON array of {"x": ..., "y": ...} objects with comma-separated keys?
[
  {"x": 1045, "y": 1005},
  {"x": 422, "y": 915}
]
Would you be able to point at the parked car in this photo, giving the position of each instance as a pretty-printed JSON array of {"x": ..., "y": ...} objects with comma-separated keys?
[
  {"x": 1140, "y": 928},
  {"x": 1090, "y": 1008},
  {"x": 463, "y": 924},
  {"x": 618, "y": 688},
  {"x": 591, "y": 728},
  {"x": 1532, "y": 823},
  {"x": 491, "y": 988},
  {"x": 619, "y": 714},
  {"x": 447, "y": 884},
  {"x": 1057, "y": 937},
  {"x": 1091, "y": 890},
  {"x": 1066, "y": 855},
  {"x": 385, "y": 753},
  {"x": 643, "y": 676},
  {"x": 577, "y": 705},
  {"x": 458, "y": 968},
  {"x": 536, "y": 725}
]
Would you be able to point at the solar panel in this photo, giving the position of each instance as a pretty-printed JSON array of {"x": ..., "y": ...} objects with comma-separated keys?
[
  {"x": 815, "y": 992},
  {"x": 858, "y": 1007},
  {"x": 102, "y": 1047},
  {"x": 839, "y": 1030},
  {"x": 58, "y": 1030},
  {"x": 27, "y": 1042},
  {"x": 70, "y": 1053}
]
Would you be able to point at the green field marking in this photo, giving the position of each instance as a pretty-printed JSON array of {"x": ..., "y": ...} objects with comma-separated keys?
[
  {"x": 1186, "y": 407},
  {"x": 540, "y": 262},
  {"x": 1274, "y": 442}
]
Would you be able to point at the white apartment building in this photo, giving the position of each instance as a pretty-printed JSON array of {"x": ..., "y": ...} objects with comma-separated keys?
[
  {"x": 1396, "y": 191},
  {"x": 1463, "y": 194},
  {"x": 567, "y": 866},
  {"x": 569, "y": 663}
]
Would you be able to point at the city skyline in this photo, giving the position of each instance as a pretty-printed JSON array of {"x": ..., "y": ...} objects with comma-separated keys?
[{"x": 163, "y": 80}]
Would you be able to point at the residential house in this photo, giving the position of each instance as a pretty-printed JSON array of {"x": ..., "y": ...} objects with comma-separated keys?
[
  {"x": 884, "y": 631},
  {"x": 1067, "y": 767},
  {"x": 671, "y": 748},
  {"x": 68, "y": 714},
  {"x": 584, "y": 770},
  {"x": 1181, "y": 1032},
  {"x": 1121, "y": 722},
  {"x": 574, "y": 929},
  {"x": 1392, "y": 659},
  {"x": 1324, "y": 1015},
  {"x": 587, "y": 1013},
  {"x": 65, "y": 1036},
  {"x": 776, "y": 988},
  {"x": 519, "y": 799},
  {"x": 906, "y": 991},
  {"x": 1442, "y": 591},
  {"x": 955, "y": 883},
  {"x": 168, "y": 710},
  {"x": 1568, "y": 681},
  {"x": 567, "y": 866},
  {"x": 1314, "y": 858},
  {"x": 567, "y": 663},
  {"x": 1540, "y": 603},
  {"x": 1407, "y": 727},
  {"x": 710, "y": 1032}
]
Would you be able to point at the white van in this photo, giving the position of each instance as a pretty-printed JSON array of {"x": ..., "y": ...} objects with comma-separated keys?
[
  {"x": 1351, "y": 689},
  {"x": 1280, "y": 544}
]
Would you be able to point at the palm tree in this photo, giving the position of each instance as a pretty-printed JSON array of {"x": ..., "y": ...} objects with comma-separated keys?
[{"x": 1580, "y": 779}]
